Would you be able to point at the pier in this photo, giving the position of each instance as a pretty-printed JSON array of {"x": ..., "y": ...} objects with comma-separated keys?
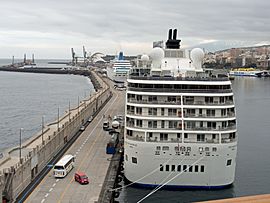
[{"x": 19, "y": 175}]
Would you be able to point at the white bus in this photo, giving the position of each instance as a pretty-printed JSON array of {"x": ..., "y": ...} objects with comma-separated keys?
[{"x": 63, "y": 166}]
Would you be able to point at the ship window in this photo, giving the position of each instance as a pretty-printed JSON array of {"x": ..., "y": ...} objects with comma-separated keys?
[
  {"x": 150, "y": 134},
  {"x": 229, "y": 162},
  {"x": 161, "y": 167},
  {"x": 184, "y": 168},
  {"x": 190, "y": 168},
  {"x": 173, "y": 167},
  {"x": 178, "y": 135},
  {"x": 134, "y": 160},
  {"x": 162, "y": 124},
  {"x": 202, "y": 168},
  {"x": 179, "y": 168},
  {"x": 200, "y": 137},
  {"x": 163, "y": 136},
  {"x": 126, "y": 157},
  {"x": 158, "y": 148},
  {"x": 214, "y": 149},
  {"x": 162, "y": 111},
  {"x": 165, "y": 148},
  {"x": 196, "y": 168},
  {"x": 167, "y": 167},
  {"x": 207, "y": 149},
  {"x": 185, "y": 135}
]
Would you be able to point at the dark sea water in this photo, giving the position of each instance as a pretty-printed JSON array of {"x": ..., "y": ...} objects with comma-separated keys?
[
  {"x": 26, "y": 97},
  {"x": 252, "y": 97}
]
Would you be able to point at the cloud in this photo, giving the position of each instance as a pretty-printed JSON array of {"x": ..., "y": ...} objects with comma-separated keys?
[{"x": 50, "y": 28}]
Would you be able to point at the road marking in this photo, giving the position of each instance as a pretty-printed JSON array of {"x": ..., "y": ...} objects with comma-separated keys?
[
  {"x": 50, "y": 189},
  {"x": 47, "y": 194},
  {"x": 54, "y": 185},
  {"x": 43, "y": 200},
  {"x": 57, "y": 180},
  {"x": 63, "y": 193}
]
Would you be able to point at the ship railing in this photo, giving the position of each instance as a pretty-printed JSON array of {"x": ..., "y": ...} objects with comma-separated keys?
[
  {"x": 208, "y": 103},
  {"x": 228, "y": 140},
  {"x": 136, "y": 138},
  {"x": 213, "y": 141},
  {"x": 191, "y": 115},
  {"x": 169, "y": 140},
  {"x": 132, "y": 125},
  {"x": 147, "y": 77},
  {"x": 138, "y": 89},
  {"x": 232, "y": 127},
  {"x": 153, "y": 102}
]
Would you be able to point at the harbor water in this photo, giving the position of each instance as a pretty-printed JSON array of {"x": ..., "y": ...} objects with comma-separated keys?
[{"x": 26, "y": 97}]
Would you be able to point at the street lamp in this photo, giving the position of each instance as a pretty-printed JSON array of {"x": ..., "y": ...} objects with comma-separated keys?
[
  {"x": 58, "y": 118},
  {"x": 78, "y": 103},
  {"x": 21, "y": 129},
  {"x": 68, "y": 110},
  {"x": 42, "y": 131}
]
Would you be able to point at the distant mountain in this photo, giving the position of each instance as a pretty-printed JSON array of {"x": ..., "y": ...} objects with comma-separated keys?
[{"x": 224, "y": 45}]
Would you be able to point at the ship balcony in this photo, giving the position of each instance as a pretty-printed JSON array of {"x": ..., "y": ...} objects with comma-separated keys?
[
  {"x": 135, "y": 101},
  {"x": 135, "y": 138},
  {"x": 206, "y": 141},
  {"x": 191, "y": 115},
  {"x": 132, "y": 125},
  {"x": 208, "y": 103},
  {"x": 228, "y": 140},
  {"x": 169, "y": 115},
  {"x": 172, "y": 90},
  {"x": 231, "y": 127}
]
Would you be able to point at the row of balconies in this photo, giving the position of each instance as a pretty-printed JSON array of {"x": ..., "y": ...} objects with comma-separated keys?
[
  {"x": 180, "y": 127},
  {"x": 179, "y": 140},
  {"x": 173, "y": 90},
  {"x": 186, "y": 115},
  {"x": 143, "y": 101}
]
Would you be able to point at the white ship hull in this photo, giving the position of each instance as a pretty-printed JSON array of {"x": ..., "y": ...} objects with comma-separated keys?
[
  {"x": 111, "y": 73},
  {"x": 216, "y": 173}
]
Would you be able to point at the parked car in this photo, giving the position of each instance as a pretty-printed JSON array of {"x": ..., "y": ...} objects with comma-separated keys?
[
  {"x": 82, "y": 128},
  {"x": 90, "y": 119},
  {"x": 81, "y": 178}
]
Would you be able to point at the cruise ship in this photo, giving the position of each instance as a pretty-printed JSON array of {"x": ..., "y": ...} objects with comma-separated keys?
[
  {"x": 180, "y": 129},
  {"x": 119, "y": 70}
]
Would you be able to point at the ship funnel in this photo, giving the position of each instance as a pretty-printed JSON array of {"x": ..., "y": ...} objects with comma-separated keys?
[
  {"x": 173, "y": 43},
  {"x": 174, "y": 34},
  {"x": 170, "y": 34}
]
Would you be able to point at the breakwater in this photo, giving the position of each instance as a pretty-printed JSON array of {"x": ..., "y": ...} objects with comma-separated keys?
[{"x": 17, "y": 173}]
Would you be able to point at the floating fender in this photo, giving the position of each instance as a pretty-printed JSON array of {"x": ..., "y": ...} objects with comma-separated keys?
[
  {"x": 118, "y": 187},
  {"x": 119, "y": 178},
  {"x": 116, "y": 194},
  {"x": 121, "y": 173},
  {"x": 121, "y": 168}
]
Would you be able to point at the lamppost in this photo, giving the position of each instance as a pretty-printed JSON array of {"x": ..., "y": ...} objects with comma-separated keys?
[
  {"x": 42, "y": 131},
  {"x": 58, "y": 118},
  {"x": 21, "y": 129},
  {"x": 78, "y": 104},
  {"x": 68, "y": 110}
]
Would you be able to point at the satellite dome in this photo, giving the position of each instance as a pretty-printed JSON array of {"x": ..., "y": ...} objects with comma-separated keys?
[
  {"x": 196, "y": 54},
  {"x": 157, "y": 53},
  {"x": 145, "y": 57}
]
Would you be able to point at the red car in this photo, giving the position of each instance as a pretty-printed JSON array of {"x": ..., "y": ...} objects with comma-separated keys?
[{"x": 81, "y": 178}]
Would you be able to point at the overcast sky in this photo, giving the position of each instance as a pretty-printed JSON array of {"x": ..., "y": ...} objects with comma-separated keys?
[{"x": 49, "y": 28}]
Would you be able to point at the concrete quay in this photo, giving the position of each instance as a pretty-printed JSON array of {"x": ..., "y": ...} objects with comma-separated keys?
[
  {"x": 91, "y": 158},
  {"x": 16, "y": 174}
]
